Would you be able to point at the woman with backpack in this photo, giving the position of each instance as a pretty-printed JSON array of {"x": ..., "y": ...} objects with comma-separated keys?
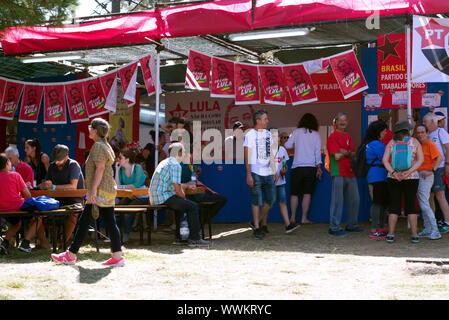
[
  {"x": 402, "y": 158},
  {"x": 376, "y": 177}
]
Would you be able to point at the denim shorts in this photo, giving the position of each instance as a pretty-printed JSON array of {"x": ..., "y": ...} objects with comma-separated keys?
[
  {"x": 281, "y": 196},
  {"x": 438, "y": 182},
  {"x": 263, "y": 185}
]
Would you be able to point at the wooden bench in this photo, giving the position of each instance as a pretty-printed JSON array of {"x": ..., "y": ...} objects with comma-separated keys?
[
  {"x": 52, "y": 215},
  {"x": 140, "y": 208}
]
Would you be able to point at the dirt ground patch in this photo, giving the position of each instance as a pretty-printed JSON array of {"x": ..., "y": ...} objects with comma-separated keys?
[{"x": 307, "y": 264}]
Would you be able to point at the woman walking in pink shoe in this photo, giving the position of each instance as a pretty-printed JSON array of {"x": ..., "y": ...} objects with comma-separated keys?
[{"x": 102, "y": 191}]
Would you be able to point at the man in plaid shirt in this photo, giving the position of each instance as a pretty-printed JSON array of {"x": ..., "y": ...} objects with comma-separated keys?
[{"x": 166, "y": 188}]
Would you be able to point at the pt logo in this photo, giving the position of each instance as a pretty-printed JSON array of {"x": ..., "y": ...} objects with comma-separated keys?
[{"x": 435, "y": 44}]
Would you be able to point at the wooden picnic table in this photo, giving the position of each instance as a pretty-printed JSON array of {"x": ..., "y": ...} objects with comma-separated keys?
[{"x": 121, "y": 193}]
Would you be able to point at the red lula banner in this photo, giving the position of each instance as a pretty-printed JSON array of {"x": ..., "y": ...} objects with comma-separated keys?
[
  {"x": 31, "y": 102},
  {"x": 272, "y": 82},
  {"x": 109, "y": 84},
  {"x": 76, "y": 102},
  {"x": 54, "y": 105},
  {"x": 94, "y": 97},
  {"x": 222, "y": 82},
  {"x": 198, "y": 71},
  {"x": 128, "y": 77},
  {"x": 145, "y": 64},
  {"x": 246, "y": 79},
  {"x": 2, "y": 89},
  {"x": 299, "y": 84},
  {"x": 348, "y": 73},
  {"x": 10, "y": 102}
]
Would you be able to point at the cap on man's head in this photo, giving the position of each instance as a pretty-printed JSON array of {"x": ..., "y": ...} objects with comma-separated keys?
[
  {"x": 402, "y": 125},
  {"x": 60, "y": 151},
  {"x": 237, "y": 124},
  {"x": 440, "y": 115}
]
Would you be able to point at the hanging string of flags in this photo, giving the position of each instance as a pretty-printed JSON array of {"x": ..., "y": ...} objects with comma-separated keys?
[
  {"x": 84, "y": 98},
  {"x": 228, "y": 79}
]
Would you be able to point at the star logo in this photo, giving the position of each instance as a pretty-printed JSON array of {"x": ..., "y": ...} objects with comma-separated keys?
[
  {"x": 178, "y": 112},
  {"x": 389, "y": 48}
]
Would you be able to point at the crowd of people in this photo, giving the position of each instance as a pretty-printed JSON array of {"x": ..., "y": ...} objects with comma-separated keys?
[
  {"x": 107, "y": 167},
  {"x": 406, "y": 170}
]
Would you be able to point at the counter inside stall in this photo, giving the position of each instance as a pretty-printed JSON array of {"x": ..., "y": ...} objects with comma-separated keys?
[{"x": 230, "y": 181}]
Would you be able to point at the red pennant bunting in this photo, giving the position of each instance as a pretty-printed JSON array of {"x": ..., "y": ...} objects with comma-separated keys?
[
  {"x": 198, "y": 71},
  {"x": 109, "y": 84},
  {"x": 11, "y": 97},
  {"x": 299, "y": 84},
  {"x": 272, "y": 82},
  {"x": 94, "y": 97},
  {"x": 246, "y": 84},
  {"x": 2, "y": 89},
  {"x": 145, "y": 64},
  {"x": 128, "y": 77},
  {"x": 31, "y": 102},
  {"x": 54, "y": 105},
  {"x": 76, "y": 102},
  {"x": 222, "y": 83},
  {"x": 348, "y": 73}
]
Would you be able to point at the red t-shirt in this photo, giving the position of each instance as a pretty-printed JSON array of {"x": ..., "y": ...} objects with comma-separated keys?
[
  {"x": 26, "y": 172},
  {"x": 10, "y": 197},
  {"x": 335, "y": 142},
  {"x": 388, "y": 136}
]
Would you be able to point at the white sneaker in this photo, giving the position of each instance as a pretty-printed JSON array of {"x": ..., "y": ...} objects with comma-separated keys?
[{"x": 435, "y": 236}]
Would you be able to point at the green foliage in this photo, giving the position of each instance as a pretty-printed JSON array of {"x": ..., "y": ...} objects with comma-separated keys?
[{"x": 35, "y": 12}]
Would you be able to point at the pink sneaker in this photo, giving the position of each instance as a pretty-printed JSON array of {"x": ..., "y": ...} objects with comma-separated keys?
[
  {"x": 112, "y": 262},
  {"x": 63, "y": 258}
]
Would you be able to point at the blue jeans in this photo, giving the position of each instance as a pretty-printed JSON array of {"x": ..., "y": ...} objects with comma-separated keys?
[
  {"x": 344, "y": 189},
  {"x": 424, "y": 188},
  {"x": 181, "y": 206},
  {"x": 263, "y": 185}
]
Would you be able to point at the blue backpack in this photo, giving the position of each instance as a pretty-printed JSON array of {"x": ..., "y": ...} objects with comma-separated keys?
[
  {"x": 401, "y": 156},
  {"x": 41, "y": 203}
]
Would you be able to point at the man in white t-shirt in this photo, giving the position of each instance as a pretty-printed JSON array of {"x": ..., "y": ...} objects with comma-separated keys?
[
  {"x": 441, "y": 138},
  {"x": 260, "y": 171}
]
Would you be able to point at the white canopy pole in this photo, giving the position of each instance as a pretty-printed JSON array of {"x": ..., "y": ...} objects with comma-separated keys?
[
  {"x": 156, "y": 122},
  {"x": 409, "y": 88}
]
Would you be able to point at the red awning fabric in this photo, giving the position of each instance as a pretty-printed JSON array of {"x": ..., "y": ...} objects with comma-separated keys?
[
  {"x": 269, "y": 13},
  {"x": 221, "y": 16}
]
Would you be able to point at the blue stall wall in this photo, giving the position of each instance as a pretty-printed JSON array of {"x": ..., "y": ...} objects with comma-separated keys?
[
  {"x": 63, "y": 134},
  {"x": 230, "y": 179}
]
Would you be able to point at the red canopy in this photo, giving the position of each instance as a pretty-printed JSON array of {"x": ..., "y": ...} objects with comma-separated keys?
[
  {"x": 205, "y": 18},
  {"x": 221, "y": 16},
  {"x": 269, "y": 13}
]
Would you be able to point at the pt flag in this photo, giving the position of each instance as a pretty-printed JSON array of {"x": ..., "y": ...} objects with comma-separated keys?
[
  {"x": 272, "y": 82},
  {"x": 348, "y": 73},
  {"x": 246, "y": 78},
  {"x": 299, "y": 84},
  {"x": 31, "y": 102},
  {"x": 222, "y": 82},
  {"x": 54, "y": 105},
  {"x": 198, "y": 71},
  {"x": 76, "y": 102},
  {"x": 430, "y": 59},
  {"x": 11, "y": 97}
]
